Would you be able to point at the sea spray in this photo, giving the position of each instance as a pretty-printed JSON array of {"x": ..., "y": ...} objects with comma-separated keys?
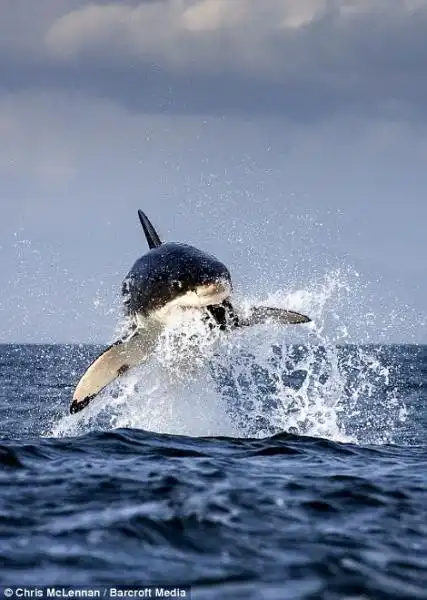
[{"x": 256, "y": 381}]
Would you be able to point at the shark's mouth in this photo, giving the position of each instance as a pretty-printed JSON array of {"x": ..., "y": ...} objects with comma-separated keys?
[
  {"x": 202, "y": 296},
  {"x": 213, "y": 293},
  {"x": 209, "y": 294}
]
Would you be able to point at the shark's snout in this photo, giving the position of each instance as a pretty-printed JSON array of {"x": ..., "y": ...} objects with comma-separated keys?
[{"x": 218, "y": 288}]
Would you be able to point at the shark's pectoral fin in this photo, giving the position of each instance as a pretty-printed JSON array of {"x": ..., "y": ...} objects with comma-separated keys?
[
  {"x": 227, "y": 318},
  {"x": 261, "y": 314},
  {"x": 116, "y": 360}
]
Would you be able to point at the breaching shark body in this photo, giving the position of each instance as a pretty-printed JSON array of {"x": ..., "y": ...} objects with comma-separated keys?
[{"x": 170, "y": 275}]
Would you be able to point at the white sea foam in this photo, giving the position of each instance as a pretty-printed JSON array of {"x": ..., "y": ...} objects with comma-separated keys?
[{"x": 257, "y": 381}]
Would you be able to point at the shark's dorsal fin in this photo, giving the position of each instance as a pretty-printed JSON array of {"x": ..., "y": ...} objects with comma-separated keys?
[{"x": 150, "y": 233}]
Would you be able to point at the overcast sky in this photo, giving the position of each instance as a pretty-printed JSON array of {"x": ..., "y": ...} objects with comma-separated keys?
[{"x": 288, "y": 137}]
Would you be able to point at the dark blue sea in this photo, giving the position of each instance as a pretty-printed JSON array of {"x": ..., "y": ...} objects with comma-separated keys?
[{"x": 266, "y": 471}]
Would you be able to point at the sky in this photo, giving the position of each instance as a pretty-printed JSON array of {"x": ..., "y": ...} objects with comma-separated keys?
[{"x": 287, "y": 137}]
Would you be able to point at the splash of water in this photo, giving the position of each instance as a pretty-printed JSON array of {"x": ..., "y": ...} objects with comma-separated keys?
[{"x": 257, "y": 381}]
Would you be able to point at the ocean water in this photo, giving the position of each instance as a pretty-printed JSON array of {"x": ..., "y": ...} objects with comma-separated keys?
[{"x": 244, "y": 466}]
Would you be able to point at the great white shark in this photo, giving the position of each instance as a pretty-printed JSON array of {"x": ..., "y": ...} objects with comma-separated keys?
[{"x": 168, "y": 276}]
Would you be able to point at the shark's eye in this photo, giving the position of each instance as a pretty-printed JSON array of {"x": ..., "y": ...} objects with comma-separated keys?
[{"x": 176, "y": 285}]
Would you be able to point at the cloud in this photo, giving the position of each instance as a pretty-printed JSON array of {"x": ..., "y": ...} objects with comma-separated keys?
[
  {"x": 306, "y": 59},
  {"x": 272, "y": 38}
]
